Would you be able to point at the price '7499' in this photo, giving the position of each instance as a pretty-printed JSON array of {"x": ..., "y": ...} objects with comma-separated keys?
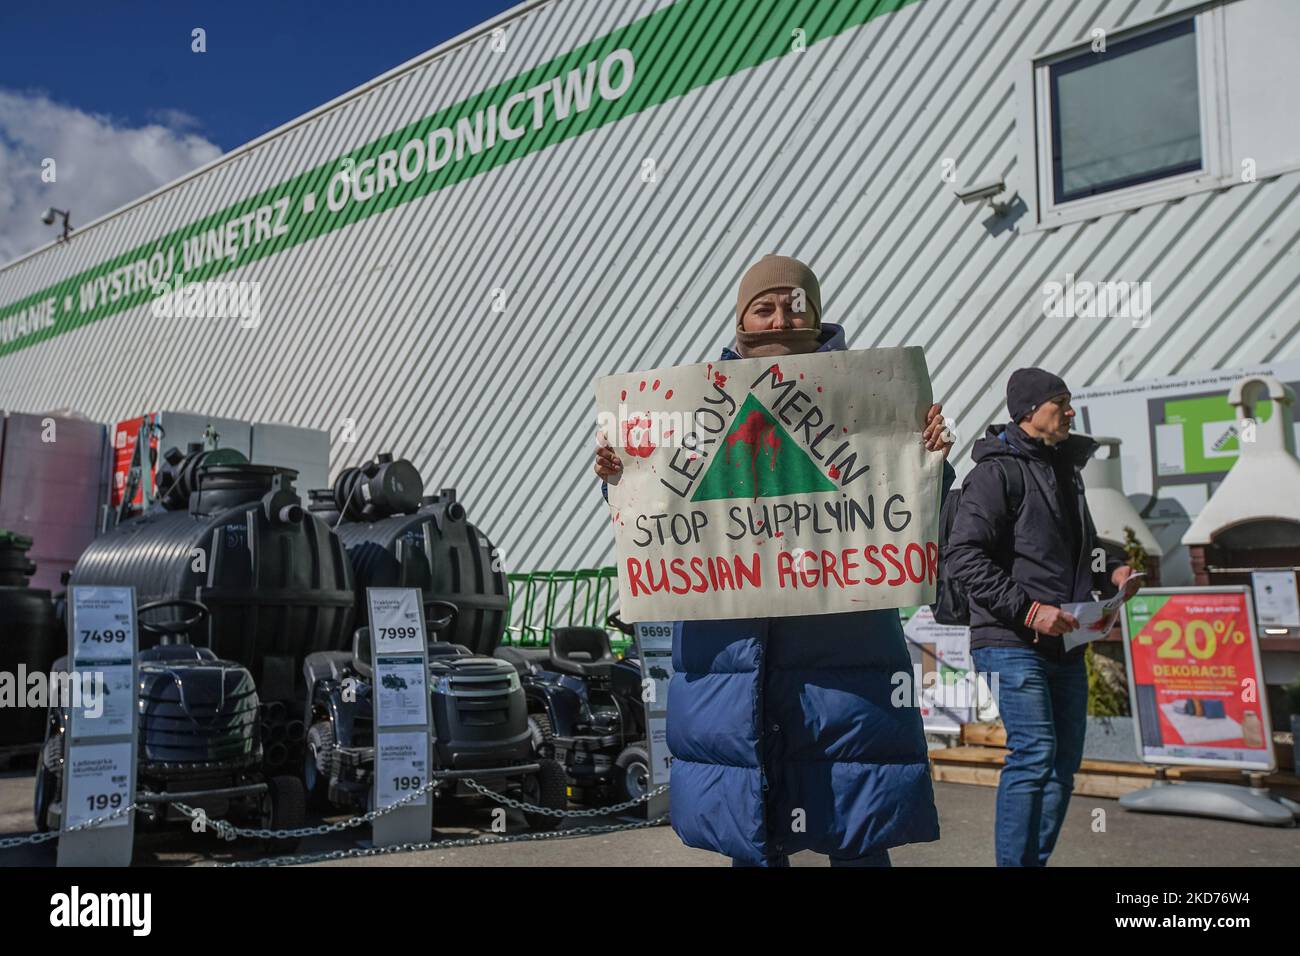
[{"x": 103, "y": 637}]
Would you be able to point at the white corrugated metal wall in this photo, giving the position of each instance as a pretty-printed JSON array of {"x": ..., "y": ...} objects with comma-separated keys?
[{"x": 832, "y": 155}]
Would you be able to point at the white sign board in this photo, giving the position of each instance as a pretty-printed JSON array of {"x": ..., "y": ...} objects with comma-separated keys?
[
  {"x": 1277, "y": 603},
  {"x": 403, "y": 735},
  {"x": 401, "y": 767},
  {"x": 100, "y": 738},
  {"x": 1178, "y": 439},
  {"x": 942, "y": 669},
  {"x": 99, "y": 782},
  {"x": 654, "y": 643},
  {"x": 773, "y": 487}
]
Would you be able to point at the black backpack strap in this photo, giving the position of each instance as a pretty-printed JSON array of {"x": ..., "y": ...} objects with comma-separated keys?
[{"x": 1013, "y": 482}]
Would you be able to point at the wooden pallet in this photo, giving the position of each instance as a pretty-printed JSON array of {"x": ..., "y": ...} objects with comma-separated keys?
[{"x": 982, "y": 765}]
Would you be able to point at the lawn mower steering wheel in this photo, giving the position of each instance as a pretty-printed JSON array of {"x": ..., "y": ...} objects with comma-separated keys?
[
  {"x": 199, "y": 614},
  {"x": 445, "y": 613}
]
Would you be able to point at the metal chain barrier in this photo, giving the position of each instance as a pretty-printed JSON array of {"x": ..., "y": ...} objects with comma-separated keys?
[
  {"x": 8, "y": 843},
  {"x": 227, "y": 831},
  {"x": 529, "y": 808},
  {"x": 303, "y": 859}
]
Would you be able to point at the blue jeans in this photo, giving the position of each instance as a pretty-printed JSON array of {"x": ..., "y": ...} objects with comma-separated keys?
[
  {"x": 1043, "y": 704},
  {"x": 879, "y": 858}
]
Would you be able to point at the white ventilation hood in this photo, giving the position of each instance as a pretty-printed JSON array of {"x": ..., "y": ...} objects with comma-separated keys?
[{"x": 1112, "y": 512}]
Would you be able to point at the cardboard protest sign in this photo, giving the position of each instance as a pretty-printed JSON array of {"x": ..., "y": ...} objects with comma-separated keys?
[{"x": 773, "y": 487}]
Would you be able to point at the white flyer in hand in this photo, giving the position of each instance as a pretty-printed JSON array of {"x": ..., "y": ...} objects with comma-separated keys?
[{"x": 1096, "y": 617}]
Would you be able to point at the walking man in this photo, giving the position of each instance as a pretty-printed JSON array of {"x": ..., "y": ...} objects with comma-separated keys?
[{"x": 1022, "y": 544}]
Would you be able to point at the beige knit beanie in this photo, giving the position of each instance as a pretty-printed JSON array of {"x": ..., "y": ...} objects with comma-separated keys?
[{"x": 777, "y": 272}]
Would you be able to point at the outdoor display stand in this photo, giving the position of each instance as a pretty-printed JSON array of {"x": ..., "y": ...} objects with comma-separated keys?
[
  {"x": 654, "y": 644},
  {"x": 403, "y": 735},
  {"x": 100, "y": 754},
  {"x": 1198, "y": 699}
]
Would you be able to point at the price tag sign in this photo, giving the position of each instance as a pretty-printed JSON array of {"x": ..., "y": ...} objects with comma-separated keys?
[
  {"x": 396, "y": 620},
  {"x": 661, "y": 758},
  {"x": 401, "y": 690},
  {"x": 403, "y": 735},
  {"x": 101, "y": 699},
  {"x": 654, "y": 642},
  {"x": 1195, "y": 678},
  {"x": 103, "y": 626},
  {"x": 99, "y": 782},
  {"x": 401, "y": 767},
  {"x": 100, "y": 740}
]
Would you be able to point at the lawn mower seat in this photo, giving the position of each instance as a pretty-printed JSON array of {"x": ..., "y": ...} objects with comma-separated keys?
[
  {"x": 582, "y": 651},
  {"x": 526, "y": 660},
  {"x": 361, "y": 653}
]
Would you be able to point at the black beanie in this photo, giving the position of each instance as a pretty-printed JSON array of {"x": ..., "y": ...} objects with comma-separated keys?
[{"x": 1027, "y": 388}]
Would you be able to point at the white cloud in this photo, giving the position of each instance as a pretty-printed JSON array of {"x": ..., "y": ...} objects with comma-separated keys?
[{"x": 101, "y": 164}]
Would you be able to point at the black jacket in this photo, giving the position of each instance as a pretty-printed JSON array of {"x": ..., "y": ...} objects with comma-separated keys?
[{"x": 1045, "y": 554}]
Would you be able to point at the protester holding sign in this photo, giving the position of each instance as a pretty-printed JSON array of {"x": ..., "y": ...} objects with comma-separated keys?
[
  {"x": 787, "y": 732},
  {"x": 1022, "y": 544}
]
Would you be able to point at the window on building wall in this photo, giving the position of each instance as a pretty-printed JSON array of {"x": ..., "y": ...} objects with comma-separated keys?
[
  {"x": 1127, "y": 116},
  {"x": 1163, "y": 109}
]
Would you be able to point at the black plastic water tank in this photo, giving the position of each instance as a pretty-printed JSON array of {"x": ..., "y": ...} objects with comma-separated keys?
[
  {"x": 422, "y": 542},
  {"x": 275, "y": 578},
  {"x": 29, "y": 635}
]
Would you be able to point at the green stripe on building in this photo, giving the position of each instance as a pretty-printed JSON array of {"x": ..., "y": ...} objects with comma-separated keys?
[{"x": 636, "y": 67}]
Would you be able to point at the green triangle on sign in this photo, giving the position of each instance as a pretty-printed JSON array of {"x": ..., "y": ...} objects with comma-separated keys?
[{"x": 759, "y": 459}]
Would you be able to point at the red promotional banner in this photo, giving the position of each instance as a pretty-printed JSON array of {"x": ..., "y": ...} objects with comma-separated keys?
[
  {"x": 1195, "y": 678},
  {"x": 124, "y": 439}
]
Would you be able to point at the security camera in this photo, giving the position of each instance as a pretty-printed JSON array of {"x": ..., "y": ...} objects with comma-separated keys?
[
  {"x": 981, "y": 191},
  {"x": 51, "y": 214}
]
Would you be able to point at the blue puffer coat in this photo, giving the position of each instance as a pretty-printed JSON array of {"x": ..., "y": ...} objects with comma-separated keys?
[{"x": 771, "y": 716}]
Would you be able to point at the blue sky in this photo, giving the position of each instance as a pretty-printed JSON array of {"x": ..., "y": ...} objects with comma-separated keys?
[{"x": 116, "y": 80}]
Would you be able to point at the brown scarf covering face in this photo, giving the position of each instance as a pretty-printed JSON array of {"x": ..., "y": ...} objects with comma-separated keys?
[{"x": 776, "y": 342}]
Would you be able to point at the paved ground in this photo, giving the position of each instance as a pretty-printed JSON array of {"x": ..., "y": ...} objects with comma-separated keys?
[{"x": 965, "y": 812}]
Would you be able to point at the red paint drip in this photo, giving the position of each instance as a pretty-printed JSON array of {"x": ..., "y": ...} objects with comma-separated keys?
[
  {"x": 642, "y": 388},
  {"x": 623, "y": 395},
  {"x": 636, "y": 436},
  {"x": 655, "y": 386},
  {"x": 668, "y": 394},
  {"x": 776, "y": 372},
  {"x": 719, "y": 380},
  {"x": 835, "y": 471},
  {"x": 756, "y": 431},
  {"x": 819, "y": 388}
]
